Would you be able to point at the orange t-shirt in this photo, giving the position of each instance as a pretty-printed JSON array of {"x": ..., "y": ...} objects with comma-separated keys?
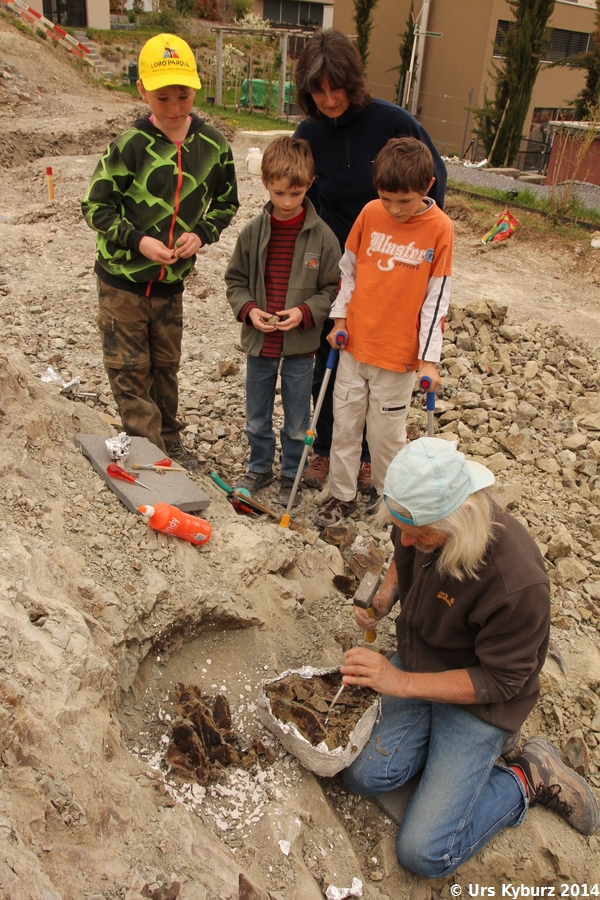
[{"x": 394, "y": 264}]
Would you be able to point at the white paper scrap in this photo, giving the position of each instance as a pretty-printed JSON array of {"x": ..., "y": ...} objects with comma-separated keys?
[{"x": 336, "y": 893}]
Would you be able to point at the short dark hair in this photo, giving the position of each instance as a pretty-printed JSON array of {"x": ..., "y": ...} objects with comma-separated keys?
[
  {"x": 403, "y": 164},
  {"x": 288, "y": 157},
  {"x": 333, "y": 54}
]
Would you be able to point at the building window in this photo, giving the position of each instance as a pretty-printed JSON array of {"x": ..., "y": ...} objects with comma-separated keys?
[
  {"x": 293, "y": 12},
  {"x": 562, "y": 43},
  {"x": 68, "y": 13}
]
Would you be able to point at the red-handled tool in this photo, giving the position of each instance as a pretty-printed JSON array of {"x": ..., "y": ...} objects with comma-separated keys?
[
  {"x": 116, "y": 471},
  {"x": 165, "y": 463},
  {"x": 162, "y": 466},
  {"x": 50, "y": 180},
  {"x": 425, "y": 384}
]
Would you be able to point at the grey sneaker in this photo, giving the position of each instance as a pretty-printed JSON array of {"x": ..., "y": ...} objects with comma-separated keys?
[
  {"x": 255, "y": 481},
  {"x": 316, "y": 472},
  {"x": 285, "y": 491},
  {"x": 556, "y": 786}
]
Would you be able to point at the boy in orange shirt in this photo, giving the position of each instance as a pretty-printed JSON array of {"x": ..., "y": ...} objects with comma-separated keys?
[{"x": 396, "y": 273}]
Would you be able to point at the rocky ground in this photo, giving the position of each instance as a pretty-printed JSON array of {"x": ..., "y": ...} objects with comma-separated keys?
[{"x": 100, "y": 617}]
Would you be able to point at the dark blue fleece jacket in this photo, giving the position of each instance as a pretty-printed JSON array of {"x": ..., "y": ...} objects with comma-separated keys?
[{"x": 344, "y": 150}]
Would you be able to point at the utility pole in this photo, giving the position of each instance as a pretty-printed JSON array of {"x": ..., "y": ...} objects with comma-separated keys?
[
  {"x": 282, "y": 75},
  {"x": 469, "y": 101},
  {"x": 409, "y": 74},
  {"x": 420, "y": 41},
  {"x": 418, "y": 52}
]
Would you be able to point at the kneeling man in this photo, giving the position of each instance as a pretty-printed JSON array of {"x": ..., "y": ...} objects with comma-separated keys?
[{"x": 473, "y": 631}]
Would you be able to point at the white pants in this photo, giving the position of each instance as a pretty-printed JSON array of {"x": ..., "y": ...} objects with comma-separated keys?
[{"x": 365, "y": 393}]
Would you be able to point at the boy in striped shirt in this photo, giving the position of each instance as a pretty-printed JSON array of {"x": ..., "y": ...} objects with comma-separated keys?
[{"x": 281, "y": 281}]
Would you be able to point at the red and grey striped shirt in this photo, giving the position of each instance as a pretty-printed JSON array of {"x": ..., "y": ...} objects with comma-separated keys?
[{"x": 280, "y": 255}]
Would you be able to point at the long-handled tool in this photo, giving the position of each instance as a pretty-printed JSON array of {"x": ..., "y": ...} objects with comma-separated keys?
[
  {"x": 340, "y": 339},
  {"x": 364, "y": 598},
  {"x": 424, "y": 384},
  {"x": 240, "y": 498}
]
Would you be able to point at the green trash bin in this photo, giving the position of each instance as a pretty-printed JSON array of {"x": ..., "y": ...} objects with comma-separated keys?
[{"x": 133, "y": 73}]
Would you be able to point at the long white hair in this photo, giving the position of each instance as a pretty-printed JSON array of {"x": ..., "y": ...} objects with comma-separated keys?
[{"x": 469, "y": 530}]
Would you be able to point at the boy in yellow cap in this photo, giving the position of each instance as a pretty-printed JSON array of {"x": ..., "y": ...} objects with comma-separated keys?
[{"x": 162, "y": 190}]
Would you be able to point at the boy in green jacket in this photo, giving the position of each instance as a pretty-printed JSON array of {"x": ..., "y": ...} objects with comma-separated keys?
[
  {"x": 161, "y": 191},
  {"x": 281, "y": 280}
]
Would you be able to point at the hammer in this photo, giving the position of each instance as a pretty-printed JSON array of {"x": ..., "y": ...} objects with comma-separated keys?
[{"x": 364, "y": 598}]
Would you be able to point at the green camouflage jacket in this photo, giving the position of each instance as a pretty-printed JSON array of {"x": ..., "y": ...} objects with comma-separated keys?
[{"x": 145, "y": 185}]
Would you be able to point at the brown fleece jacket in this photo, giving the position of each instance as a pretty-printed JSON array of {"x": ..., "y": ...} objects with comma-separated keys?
[{"x": 496, "y": 625}]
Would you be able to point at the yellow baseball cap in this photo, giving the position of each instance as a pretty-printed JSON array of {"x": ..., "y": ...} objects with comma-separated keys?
[{"x": 167, "y": 59}]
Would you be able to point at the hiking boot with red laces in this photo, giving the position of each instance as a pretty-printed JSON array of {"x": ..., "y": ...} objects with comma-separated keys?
[
  {"x": 553, "y": 784},
  {"x": 316, "y": 472},
  {"x": 364, "y": 482}
]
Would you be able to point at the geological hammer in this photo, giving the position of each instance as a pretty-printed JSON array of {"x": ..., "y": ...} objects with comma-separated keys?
[{"x": 364, "y": 598}]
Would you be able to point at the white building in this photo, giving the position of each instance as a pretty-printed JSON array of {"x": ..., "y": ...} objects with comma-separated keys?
[{"x": 75, "y": 13}]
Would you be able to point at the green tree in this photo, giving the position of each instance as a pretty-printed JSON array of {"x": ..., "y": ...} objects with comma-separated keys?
[
  {"x": 500, "y": 121},
  {"x": 588, "y": 99},
  {"x": 363, "y": 18}
]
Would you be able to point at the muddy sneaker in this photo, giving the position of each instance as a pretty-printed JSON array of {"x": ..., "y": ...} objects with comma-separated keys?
[
  {"x": 178, "y": 453},
  {"x": 255, "y": 481},
  {"x": 334, "y": 511},
  {"x": 364, "y": 482},
  {"x": 316, "y": 472},
  {"x": 285, "y": 491},
  {"x": 553, "y": 784}
]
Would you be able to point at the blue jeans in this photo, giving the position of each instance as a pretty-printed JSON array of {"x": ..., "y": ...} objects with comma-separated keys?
[
  {"x": 463, "y": 798},
  {"x": 296, "y": 381}
]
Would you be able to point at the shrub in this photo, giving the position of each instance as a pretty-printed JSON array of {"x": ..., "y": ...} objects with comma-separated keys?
[
  {"x": 240, "y": 8},
  {"x": 208, "y": 9}
]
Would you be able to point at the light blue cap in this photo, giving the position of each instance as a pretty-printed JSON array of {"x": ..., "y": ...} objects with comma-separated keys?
[{"x": 431, "y": 479}]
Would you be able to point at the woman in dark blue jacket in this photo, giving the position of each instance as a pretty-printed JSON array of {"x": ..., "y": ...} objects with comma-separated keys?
[{"x": 345, "y": 128}]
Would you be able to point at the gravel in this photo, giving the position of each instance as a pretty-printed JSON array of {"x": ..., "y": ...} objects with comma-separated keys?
[{"x": 589, "y": 193}]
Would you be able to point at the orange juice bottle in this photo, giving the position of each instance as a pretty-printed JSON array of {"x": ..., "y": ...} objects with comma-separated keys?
[{"x": 170, "y": 520}]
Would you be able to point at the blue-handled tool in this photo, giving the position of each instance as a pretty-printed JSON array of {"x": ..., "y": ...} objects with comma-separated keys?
[
  {"x": 424, "y": 384},
  {"x": 340, "y": 338}
]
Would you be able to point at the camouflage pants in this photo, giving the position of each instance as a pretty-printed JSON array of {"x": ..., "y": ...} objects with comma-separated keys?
[{"x": 141, "y": 349}]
